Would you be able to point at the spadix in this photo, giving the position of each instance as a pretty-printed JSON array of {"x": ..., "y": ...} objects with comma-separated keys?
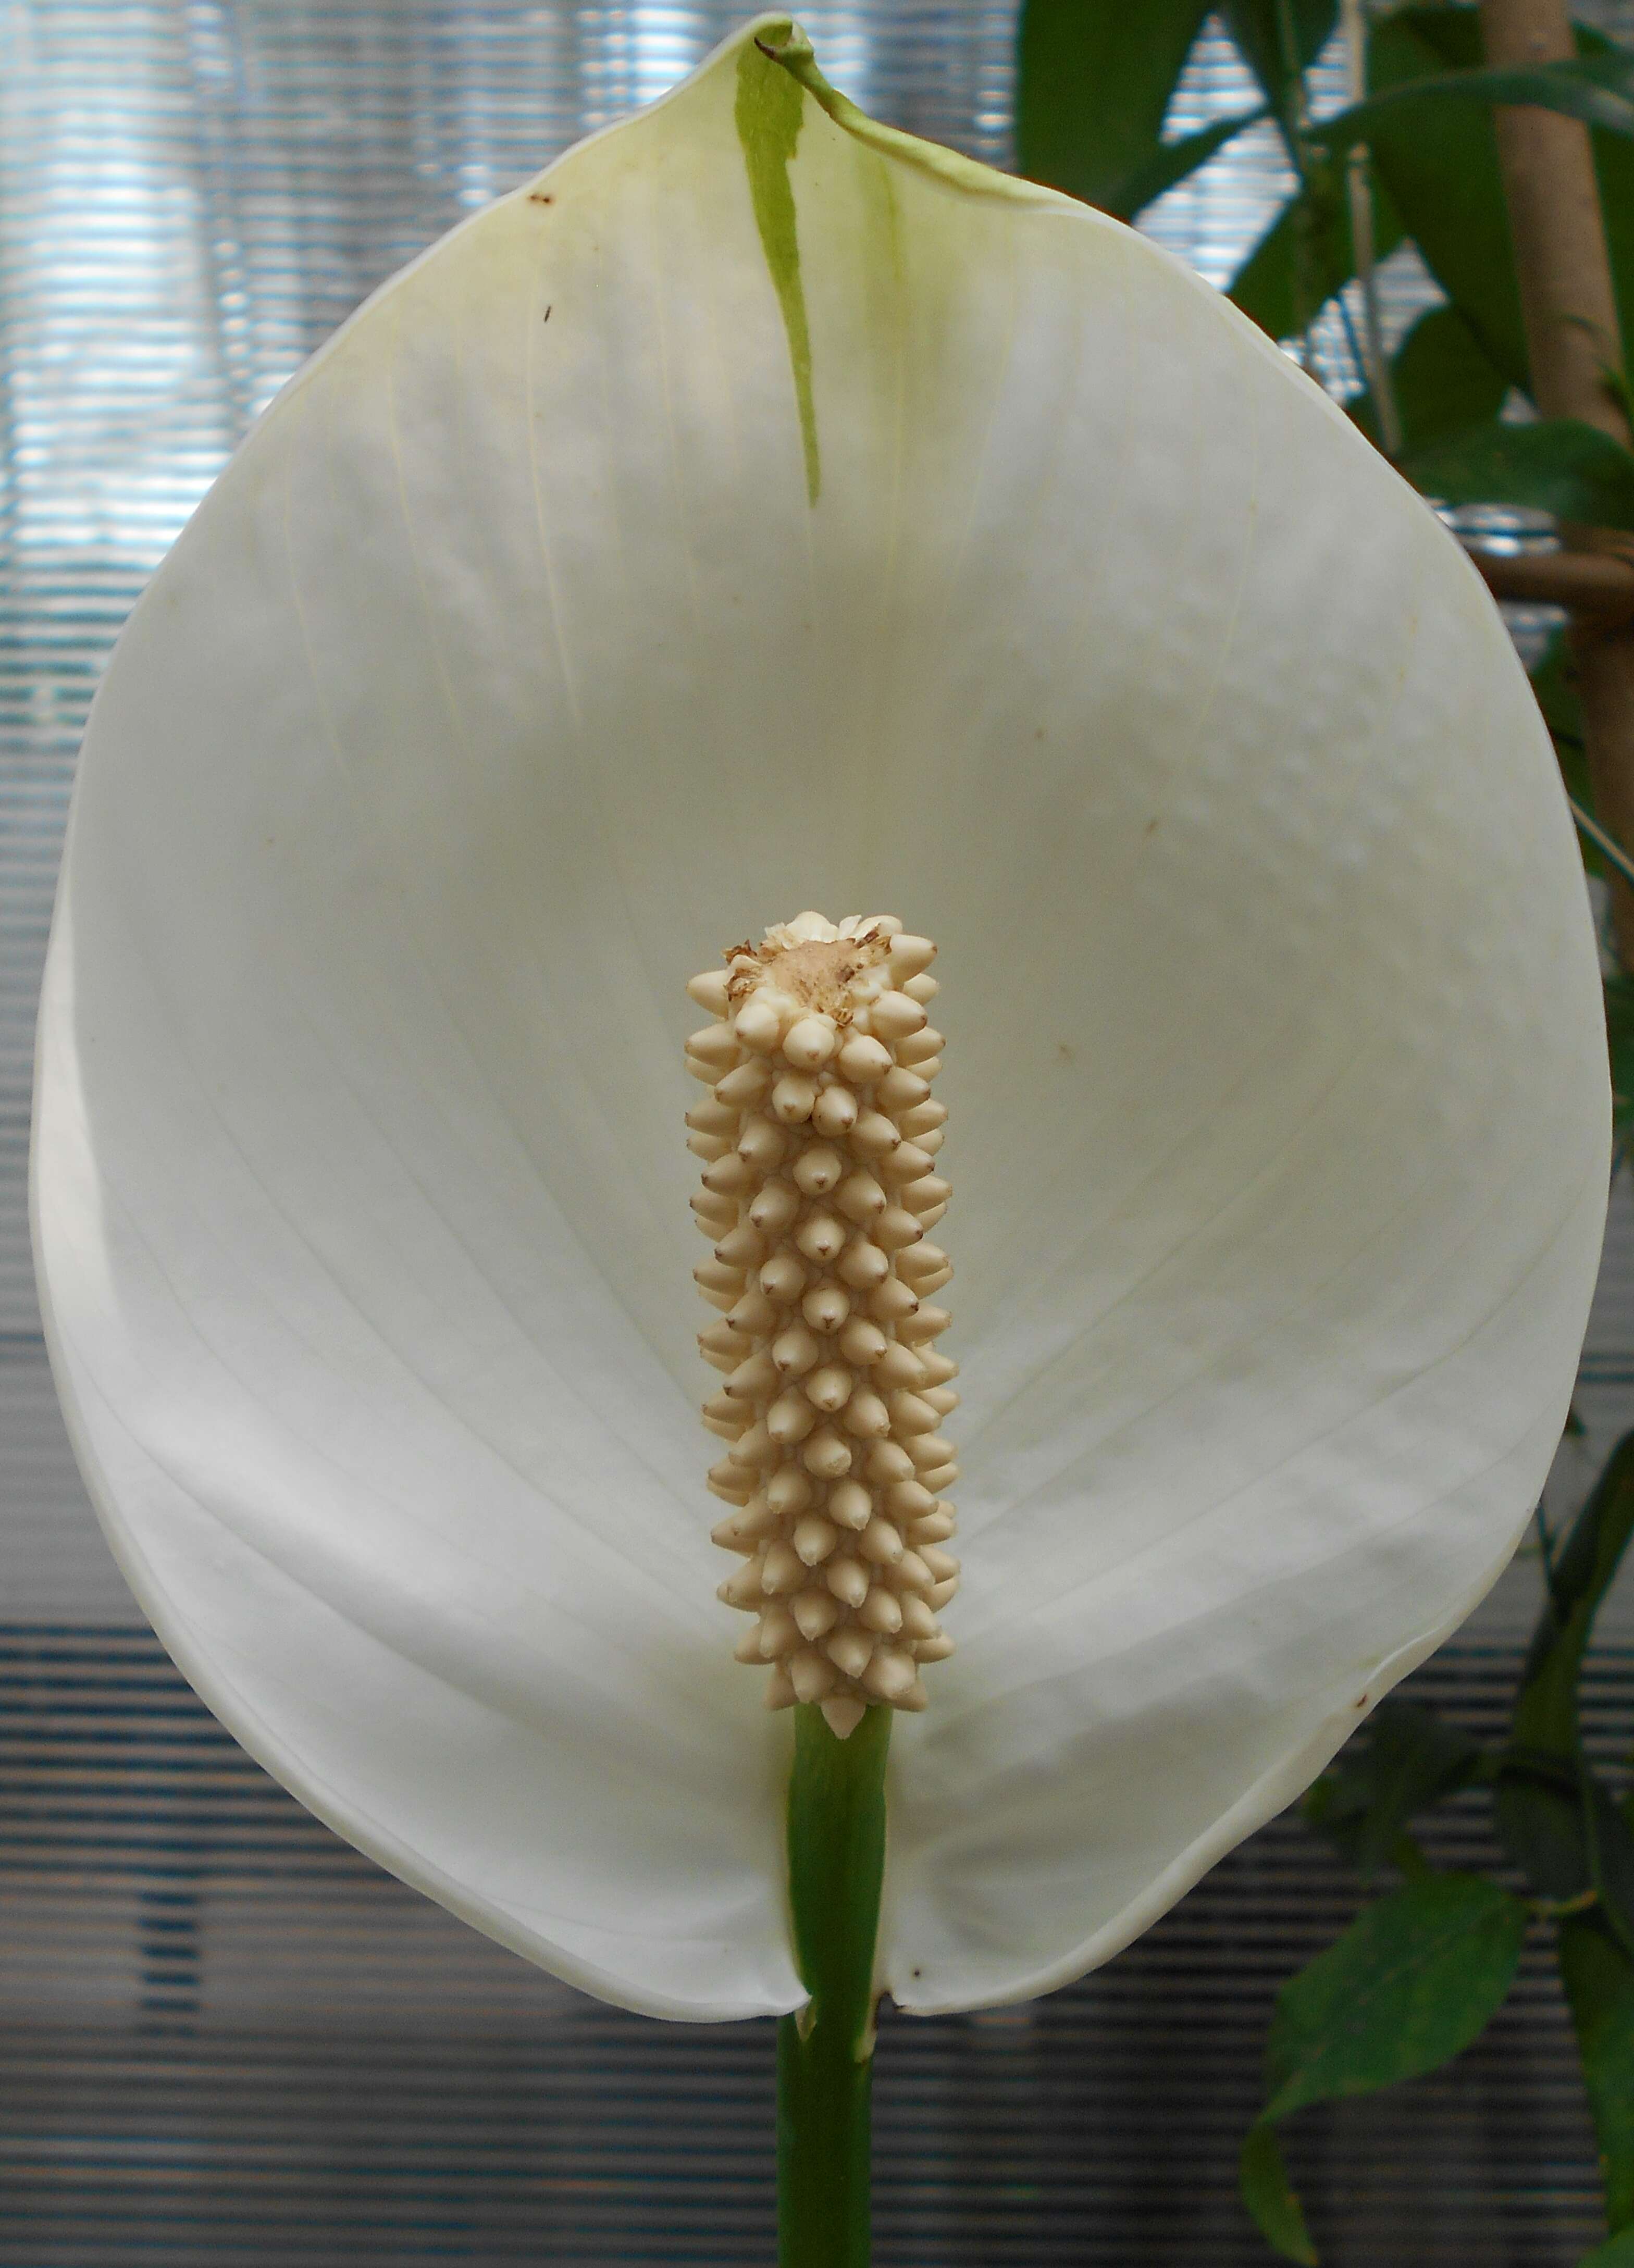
[
  {"x": 761, "y": 510},
  {"x": 835, "y": 1391}
]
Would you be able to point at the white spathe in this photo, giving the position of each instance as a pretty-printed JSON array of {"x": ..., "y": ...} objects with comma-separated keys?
[{"x": 508, "y": 674}]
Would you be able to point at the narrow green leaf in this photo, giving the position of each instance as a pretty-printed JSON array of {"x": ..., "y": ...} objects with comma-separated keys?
[
  {"x": 1267, "y": 285},
  {"x": 1554, "y": 681},
  {"x": 1559, "y": 465},
  {"x": 1546, "y": 1715},
  {"x": 1620, "y": 1038},
  {"x": 1271, "y": 2199},
  {"x": 1594, "y": 90},
  {"x": 1537, "y": 1810},
  {"x": 1171, "y": 162},
  {"x": 1442, "y": 380},
  {"x": 1446, "y": 185},
  {"x": 1614, "y": 163},
  {"x": 1256, "y": 32},
  {"x": 1094, "y": 82},
  {"x": 1610, "y": 1856},
  {"x": 1405, "y": 1759},
  {"x": 1411, "y": 1982},
  {"x": 1599, "y": 1979},
  {"x": 1586, "y": 1563},
  {"x": 1448, "y": 189},
  {"x": 1550, "y": 1815},
  {"x": 1618, "y": 2253}
]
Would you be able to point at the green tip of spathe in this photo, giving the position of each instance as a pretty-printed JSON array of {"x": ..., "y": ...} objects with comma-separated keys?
[{"x": 785, "y": 43}]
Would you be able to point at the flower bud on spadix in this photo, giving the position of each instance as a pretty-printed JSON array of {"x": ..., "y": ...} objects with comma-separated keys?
[{"x": 818, "y": 1141}]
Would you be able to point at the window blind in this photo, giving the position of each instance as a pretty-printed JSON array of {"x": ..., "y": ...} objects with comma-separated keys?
[{"x": 229, "y": 2039}]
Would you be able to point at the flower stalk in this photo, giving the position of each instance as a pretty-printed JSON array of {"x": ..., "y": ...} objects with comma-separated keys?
[{"x": 825, "y": 2050}]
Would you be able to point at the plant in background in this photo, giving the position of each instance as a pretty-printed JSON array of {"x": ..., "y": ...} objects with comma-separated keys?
[
  {"x": 1502, "y": 209},
  {"x": 763, "y": 509},
  {"x": 1418, "y": 1975}
]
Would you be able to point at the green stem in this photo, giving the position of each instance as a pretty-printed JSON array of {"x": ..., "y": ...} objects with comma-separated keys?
[
  {"x": 1294, "y": 121},
  {"x": 824, "y": 2054},
  {"x": 1372, "y": 359}
]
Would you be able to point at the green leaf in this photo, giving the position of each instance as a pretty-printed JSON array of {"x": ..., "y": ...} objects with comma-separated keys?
[
  {"x": 1618, "y": 2253},
  {"x": 1537, "y": 1810},
  {"x": 1171, "y": 161},
  {"x": 1412, "y": 1981},
  {"x": 1442, "y": 380},
  {"x": 1614, "y": 163},
  {"x": 1405, "y": 1759},
  {"x": 1599, "y": 1979},
  {"x": 1267, "y": 286},
  {"x": 1620, "y": 1038},
  {"x": 1270, "y": 2196},
  {"x": 1596, "y": 90},
  {"x": 1446, "y": 184},
  {"x": 1554, "y": 681},
  {"x": 1411, "y": 1984},
  {"x": 1094, "y": 78},
  {"x": 1449, "y": 191},
  {"x": 1546, "y": 1713},
  {"x": 1552, "y": 1817},
  {"x": 1255, "y": 27},
  {"x": 1610, "y": 1856},
  {"x": 1559, "y": 465}
]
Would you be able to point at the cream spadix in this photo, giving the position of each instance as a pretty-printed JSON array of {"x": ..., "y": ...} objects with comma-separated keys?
[
  {"x": 841, "y": 1527},
  {"x": 861, "y": 528}
]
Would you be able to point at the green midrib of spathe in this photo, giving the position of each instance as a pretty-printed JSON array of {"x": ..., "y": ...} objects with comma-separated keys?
[{"x": 768, "y": 114}]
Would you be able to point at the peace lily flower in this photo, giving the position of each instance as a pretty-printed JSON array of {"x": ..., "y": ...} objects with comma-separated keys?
[{"x": 763, "y": 510}]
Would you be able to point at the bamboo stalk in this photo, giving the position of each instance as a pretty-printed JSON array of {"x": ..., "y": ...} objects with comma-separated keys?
[
  {"x": 1594, "y": 586},
  {"x": 1573, "y": 341}
]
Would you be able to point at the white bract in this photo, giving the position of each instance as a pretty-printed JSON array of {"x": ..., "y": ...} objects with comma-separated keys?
[{"x": 759, "y": 511}]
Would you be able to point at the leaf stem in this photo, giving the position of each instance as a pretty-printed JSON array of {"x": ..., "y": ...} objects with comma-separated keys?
[
  {"x": 1545, "y": 1534},
  {"x": 1558, "y": 1908},
  {"x": 1602, "y": 842},
  {"x": 1293, "y": 120},
  {"x": 1376, "y": 363},
  {"x": 825, "y": 2051}
]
